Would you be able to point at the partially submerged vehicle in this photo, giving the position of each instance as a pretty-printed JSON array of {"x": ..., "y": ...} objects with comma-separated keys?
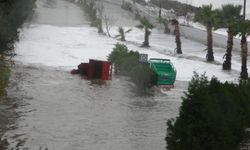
[
  {"x": 166, "y": 72},
  {"x": 95, "y": 69}
]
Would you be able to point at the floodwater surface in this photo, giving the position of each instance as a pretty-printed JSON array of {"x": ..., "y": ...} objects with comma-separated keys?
[
  {"x": 48, "y": 108},
  {"x": 61, "y": 111}
]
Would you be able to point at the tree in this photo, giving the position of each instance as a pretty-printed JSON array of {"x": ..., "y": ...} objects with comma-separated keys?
[
  {"x": 243, "y": 27},
  {"x": 12, "y": 15},
  {"x": 108, "y": 23},
  {"x": 228, "y": 17},
  {"x": 165, "y": 22},
  {"x": 147, "y": 26},
  {"x": 100, "y": 11},
  {"x": 122, "y": 34},
  {"x": 206, "y": 17},
  {"x": 177, "y": 35},
  {"x": 213, "y": 116}
]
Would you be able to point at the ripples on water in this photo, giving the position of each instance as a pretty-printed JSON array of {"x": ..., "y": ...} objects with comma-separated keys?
[{"x": 59, "y": 111}]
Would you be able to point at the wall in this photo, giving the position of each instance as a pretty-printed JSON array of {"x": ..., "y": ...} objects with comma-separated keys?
[{"x": 201, "y": 36}]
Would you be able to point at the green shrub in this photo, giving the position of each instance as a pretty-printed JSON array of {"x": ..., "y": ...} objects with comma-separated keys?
[
  {"x": 13, "y": 14},
  {"x": 127, "y": 63},
  {"x": 213, "y": 116},
  {"x": 119, "y": 52},
  {"x": 143, "y": 77}
]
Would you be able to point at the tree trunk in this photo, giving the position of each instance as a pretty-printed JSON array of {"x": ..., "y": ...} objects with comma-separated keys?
[
  {"x": 227, "y": 62},
  {"x": 100, "y": 29},
  {"x": 166, "y": 29},
  {"x": 123, "y": 37},
  {"x": 159, "y": 15},
  {"x": 177, "y": 38},
  {"x": 210, "y": 55},
  {"x": 146, "y": 38},
  {"x": 244, "y": 50}
]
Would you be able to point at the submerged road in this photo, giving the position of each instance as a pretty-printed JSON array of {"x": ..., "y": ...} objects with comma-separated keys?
[{"x": 53, "y": 110}]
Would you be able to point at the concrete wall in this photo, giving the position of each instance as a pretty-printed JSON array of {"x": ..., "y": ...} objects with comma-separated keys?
[{"x": 201, "y": 36}]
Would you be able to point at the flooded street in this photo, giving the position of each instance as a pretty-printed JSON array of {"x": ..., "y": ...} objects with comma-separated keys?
[
  {"x": 48, "y": 108},
  {"x": 59, "y": 111}
]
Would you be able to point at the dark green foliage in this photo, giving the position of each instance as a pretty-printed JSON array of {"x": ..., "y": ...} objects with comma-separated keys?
[
  {"x": 213, "y": 116},
  {"x": 12, "y": 15},
  {"x": 116, "y": 56},
  {"x": 205, "y": 15},
  {"x": 228, "y": 17},
  {"x": 127, "y": 63}
]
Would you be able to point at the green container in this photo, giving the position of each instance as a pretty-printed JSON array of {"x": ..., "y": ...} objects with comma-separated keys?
[{"x": 166, "y": 72}]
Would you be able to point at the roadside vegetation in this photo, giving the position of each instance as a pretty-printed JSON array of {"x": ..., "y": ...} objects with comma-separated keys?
[
  {"x": 12, "y": 16},
  {"x": 213, "y": 116},
  {"x": 226, "y": 17},
  {"x": 206, "y": 16},
  {"x": 127, "y": 63},
  {"x": 147, "y": 26},
  {"x": 211, "y": 18},
  {"x": 4, "y": 75}
]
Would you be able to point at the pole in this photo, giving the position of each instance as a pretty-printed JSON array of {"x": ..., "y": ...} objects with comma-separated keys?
[{"x": 244, "y": 10}]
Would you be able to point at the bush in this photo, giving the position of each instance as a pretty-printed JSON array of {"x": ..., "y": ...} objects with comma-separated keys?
[
  {"x": 213, "y": 116},
  {"x": 116, "y": 56},
  {"x": 127, "y": 63},
  {"x": 143, "y": 77},
  {"x": 13, "y": 14},
  {"x": 4, "y": 76}
]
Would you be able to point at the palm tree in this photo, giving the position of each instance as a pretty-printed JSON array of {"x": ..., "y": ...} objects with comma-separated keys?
[
  {"x": 206, "y": 17},
  {"x": 228, "y": 17},
  {"x": 243, "y": 28},
  {"x": 147, "y": 26},
  {"x": 177, "y": 35}
]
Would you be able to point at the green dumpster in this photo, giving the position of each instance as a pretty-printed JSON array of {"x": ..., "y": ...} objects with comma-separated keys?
[{"x": 166, "y": 72}]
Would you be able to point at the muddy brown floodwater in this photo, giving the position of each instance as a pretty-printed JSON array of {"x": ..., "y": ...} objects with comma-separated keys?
[
  {"x": 60, "y": 111},
  {"x": 48, "y": 108}
]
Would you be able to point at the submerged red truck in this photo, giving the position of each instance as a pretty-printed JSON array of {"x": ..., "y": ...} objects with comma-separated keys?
[{"x": 95, "y": 69}]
